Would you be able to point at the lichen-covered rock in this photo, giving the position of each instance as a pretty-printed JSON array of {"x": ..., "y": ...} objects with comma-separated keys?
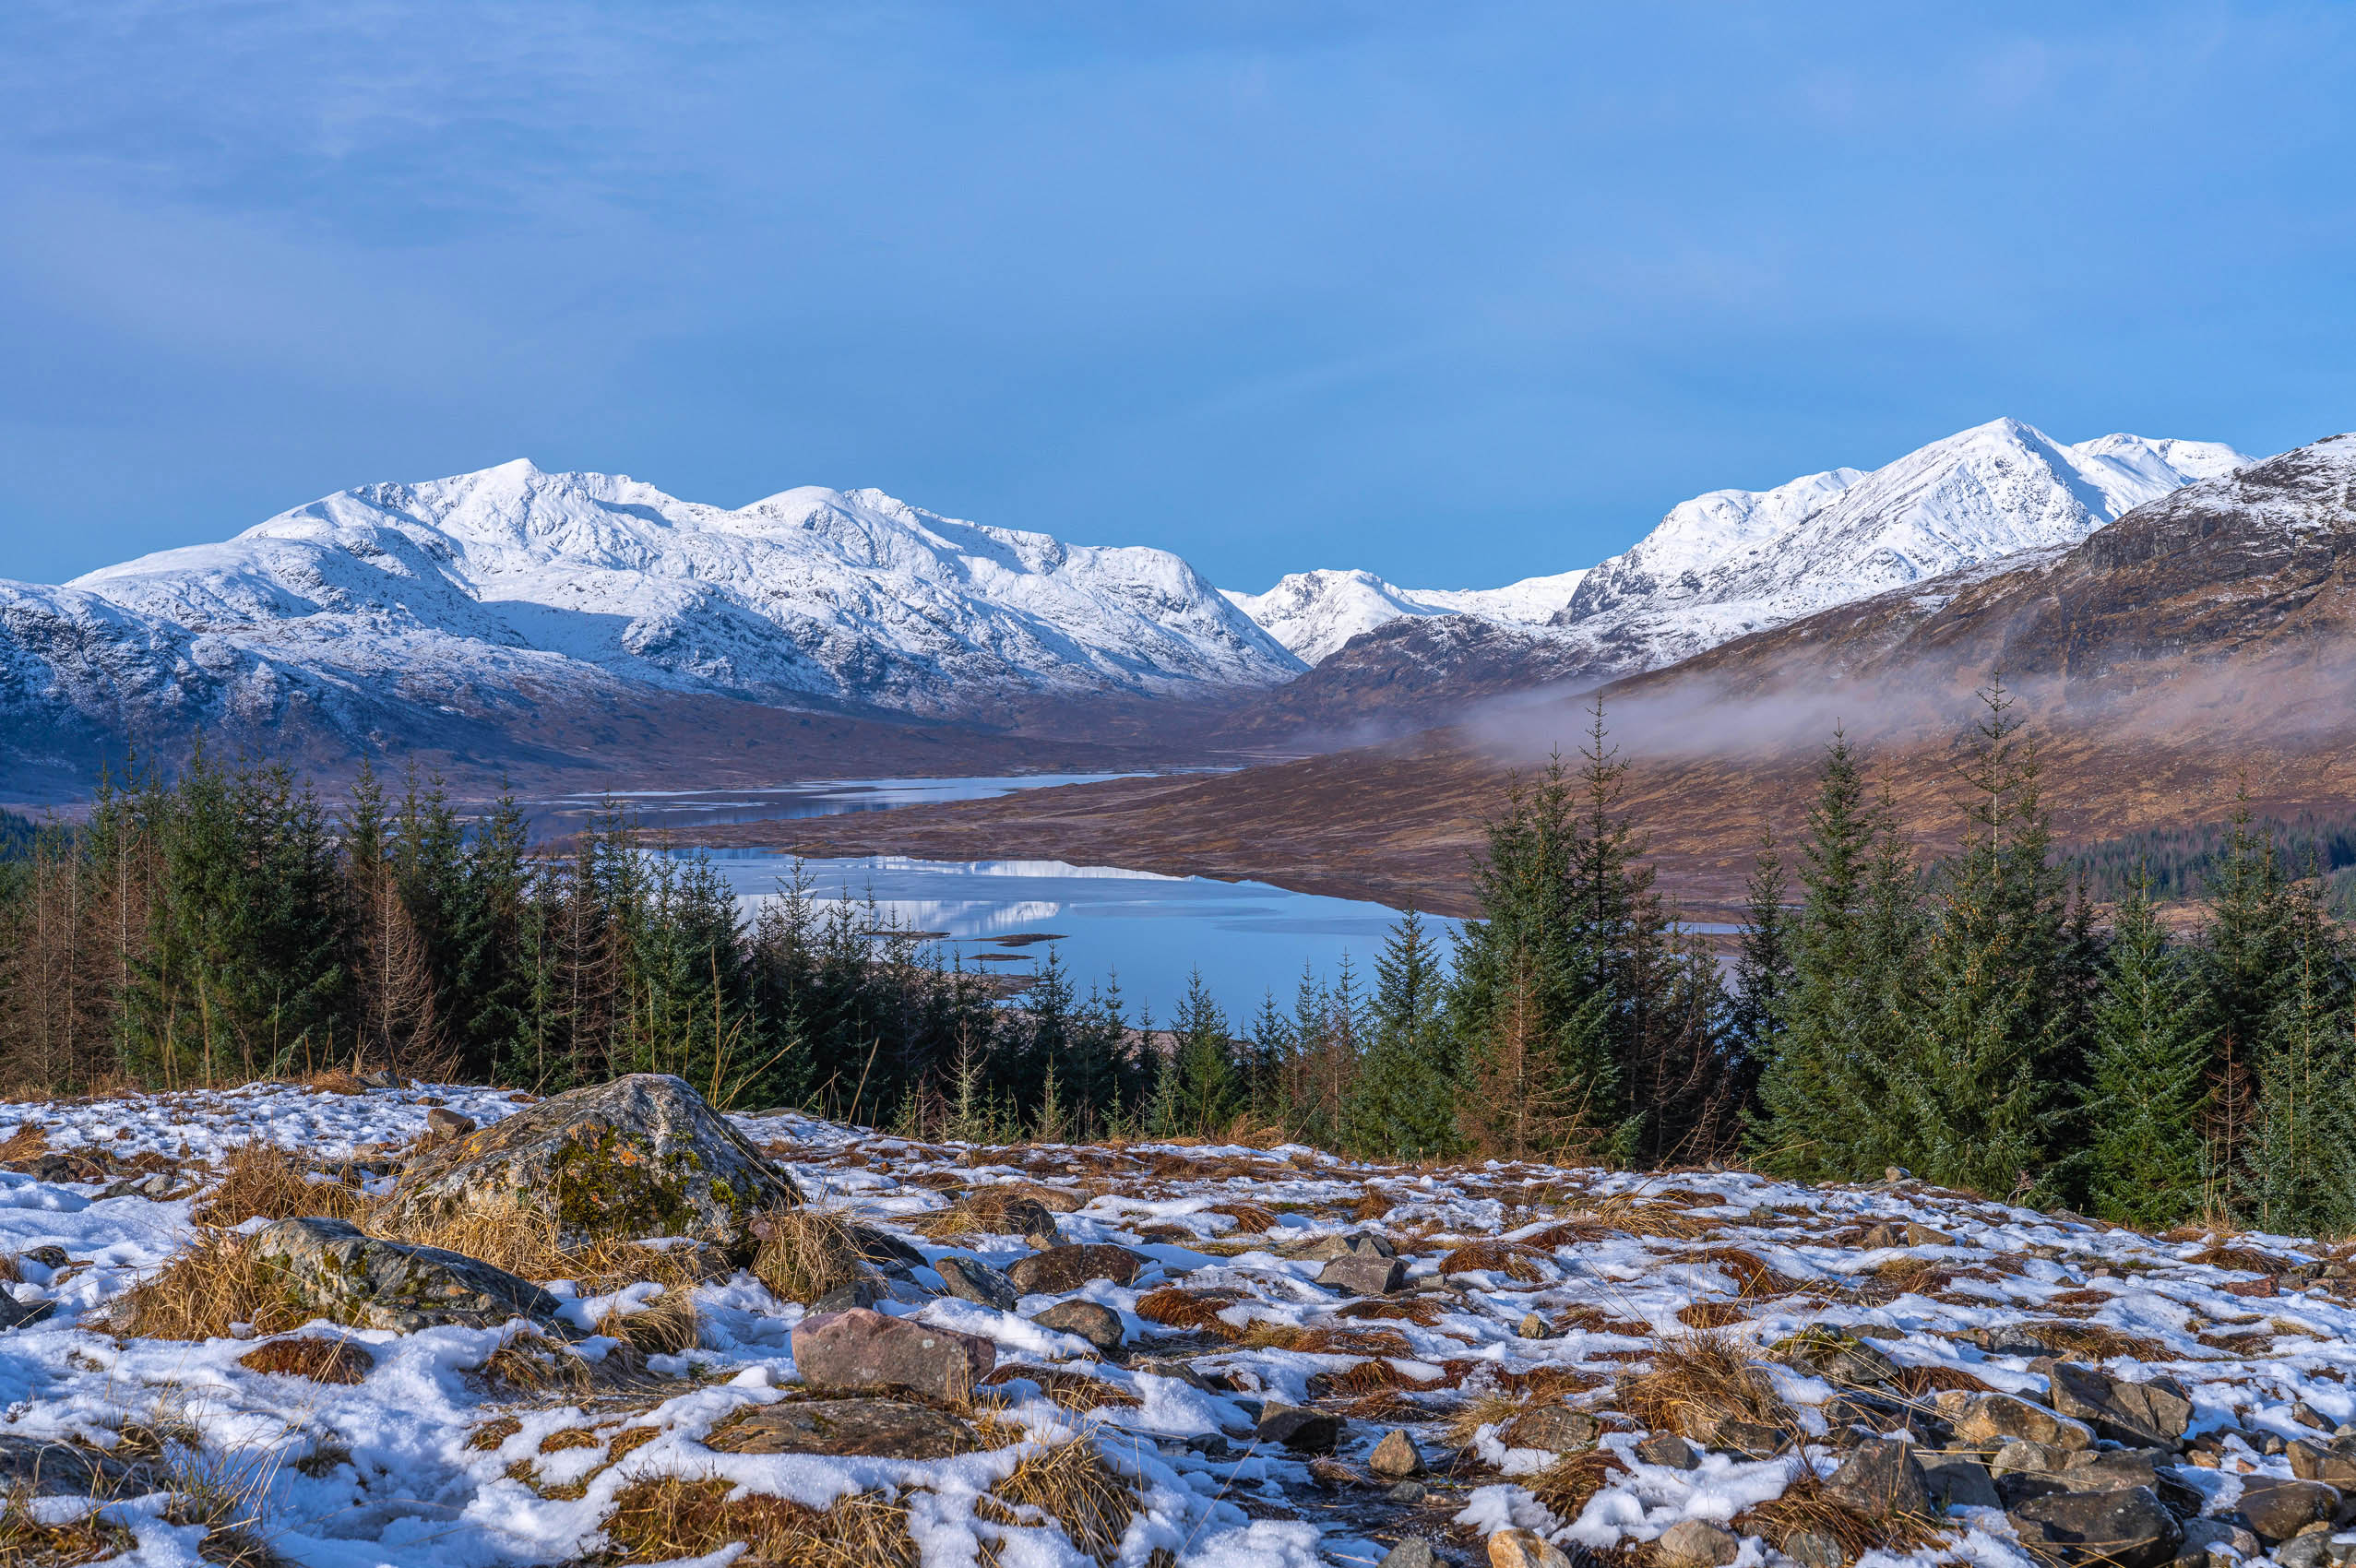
[
  {"x": 1395, "y": 1458},
  {"x": 1068, "y": 1268},
  {"x": 1552, "y": 1428},
  {"x": 1992, "y": 1420},
  {"x": 335, "y": 1271},
  {"x": 2152, "y": 1414},
  {"x": 890, "y": 1429},
  {"x": 1363, "y": 1276},
  {"x": 1099, "y": 1324},
  {"x": 973, "y": 1280},
  {"x": 1696, "y": 1543},
  {"x": 1881, "y": 1478},
  {"x": 2130, "y": 1529},
  {"x": 640, "y": 1156}
]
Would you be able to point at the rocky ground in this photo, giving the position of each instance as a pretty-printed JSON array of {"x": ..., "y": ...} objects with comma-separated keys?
[{"x": 356, "y": 1324}]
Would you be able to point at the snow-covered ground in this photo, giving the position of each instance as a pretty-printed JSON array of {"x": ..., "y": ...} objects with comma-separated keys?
[{"x": 1585, "y": 1274}]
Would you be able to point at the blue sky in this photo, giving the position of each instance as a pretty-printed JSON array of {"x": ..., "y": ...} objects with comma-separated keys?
[{"x": 1458, "y": 293}]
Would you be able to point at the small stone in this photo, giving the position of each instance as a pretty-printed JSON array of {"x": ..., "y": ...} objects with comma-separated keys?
[
  {"x": 1394, "y": 1458},
  {"x": 1896, "y": 1173},
  {"x": 1696, "y": 1543},
  {"x": 1412, "y": 1552},
  {"x": 1669, "y": 1449},
  {"x": 2306, "y": 1415},
  {"x": 1816, "y": 1549},
  {"x": 444, "y": 1122},
  {"x": 1408, "y": 1494},
  {"x": 1524, "y": 1548},
  {"x": 1357, "y": 1274},
  {"x": 2110, "y": 1470},
  {"x": 2303, "y": 1551},
  {"x": 1097, "y": 1323},
  {"x": 1751, "y": 1440},
  {"x": 973, "y": 1280},
  {"x": 1552, "y": 1428},
  {"x": 1881, "y": 1478},
  {"x": 2128, "y": 1529},
  {"x": 1303, "y": 1431},
  {"x": 864, "y": 1351},
  {"x": 23, "y": 1315},
  {"x": 1532, "y": 1326},
  {"x": 2021, "y": 1456},
  {"x": 1068, "y": 1267},
  {"x": 863, "y": 1292}
]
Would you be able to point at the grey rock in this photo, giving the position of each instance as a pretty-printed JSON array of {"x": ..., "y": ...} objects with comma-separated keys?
[
  {"x": 1990, "y": 1420},
  {"x": 2025, "y": 1457},
  {"x": 864, "y": 1291},
  {"x": 2152, "y": 1414},
  {"x": 1059, "y": 1269},
  {"x": 348, "y": 1276},
  {"x": 2275, "y": 1510},
  {"x": 973, "y": 1280},
  {"x": 1303, "y": 1431},
  {"x": 2128, "y": 1528},
  {"x": 2303, "y": 1551},
  {"x": 1816, "y": 1549},
  {"x": 1408, "y": 1494},
  {"x": 2205, "y": 1537},
  {"x": 44, "y": 1468},
  {"x": 880, "y": 1247},
  {"x": 22, "y": 1315},
  {"x": 1354, "y": 1244},
  {"x": 863, "y": 1351},
  {"x": 1667, "y": 1449},
  {"x": 1412, "y": 1552},
  {"x": 1552, "y": 1428},
  {"x": 1531, "y": 1326},
  {"x": 2110, "y": 1470},
  {"x": 1358, "y": 1275},
  {"x": 2334, "y": 1461},
  {"x": 1957, "y": 1480},
  {"x": 1396, "y": 1457},
  {"x": 1838, "y": 1358},
  {"x": 640, "y": 1156},
  {"x": 1099, "y": 1324},
  {"x": 1881, "y": 1478},
  {"x": 890, "y": 1429},
  {"x": 1751, "y": 1440},
  {"x": 445, "y": 1122},
  {"x": 1696, "y": 1543}
]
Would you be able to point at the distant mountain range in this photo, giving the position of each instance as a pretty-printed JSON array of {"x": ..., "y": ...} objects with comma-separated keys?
[{"x": 513, "y": 608}]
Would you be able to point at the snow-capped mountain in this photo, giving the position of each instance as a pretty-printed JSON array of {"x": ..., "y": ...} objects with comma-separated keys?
[
  {"x": 1313, "y": 613},
  {"x": 1736, "y": 561},
  {"x": 494, "y": 586}
]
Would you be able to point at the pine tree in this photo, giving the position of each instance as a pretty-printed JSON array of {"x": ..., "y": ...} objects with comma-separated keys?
[
  {"x": 2298, "y": 1170},
  {"x": 1762, "y": 963},
  {"x": 1203, "y": 1094},
  {"x": 1404, "y": 1102},
  {"x": 1977, "y": 1100},
  {"x": 2143, "y": 1161}
]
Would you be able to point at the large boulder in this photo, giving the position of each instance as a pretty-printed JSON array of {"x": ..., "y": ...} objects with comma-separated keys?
[
  {"x": 640, "y": 1156},
  {"x": 2275, "y": 1509},
  {"x": 2130, "y": 1529},
  {"x": 862, "y": 1352},
  {"x": 335, "y": 1270}
]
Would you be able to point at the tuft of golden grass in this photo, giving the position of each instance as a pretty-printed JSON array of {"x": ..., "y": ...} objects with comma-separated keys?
[
  {"x": 321, "y": 1360},
  {"x": 668, "y": 1517},
  {"x": 1565, "y": 1485},
  {"x": 1698, "y": 1379},
  {"x": 1250, "y": 1219},
  {"x": 1711, "y": 1314},
  {"x": 1635, "y": 1217},
  {"x": 1069, "y": 1390},
  {"x": 1176, "y": 1307},
  {"x": 263, "y": 1181},
  {"x": 1421, "y": 1311},
  {"x": 804, "y": 1253},
  {"x": 2098, "y": 1341},
  {"x": 569, "y": 1437},
  {"x": 1373, "y": 1204},
  {"x": 1072, "y": 1484},
  {"x": 212, "y": 1283},
  {"x": 493, "y": 1433},
  {"x": 29, "y": 1141},
  {"x": 664, "y": 1327},
  {"x": 25, "y": 1543},
  {"x": 1491, "y": 1257},
  {"x": 530, "y": 1363}
]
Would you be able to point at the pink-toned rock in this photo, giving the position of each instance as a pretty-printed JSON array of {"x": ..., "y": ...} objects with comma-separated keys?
[{"x": 862, "y": 1352}]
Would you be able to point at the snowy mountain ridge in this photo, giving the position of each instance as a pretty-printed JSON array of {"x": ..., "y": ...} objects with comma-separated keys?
[{"x": 1732, "y": 562}]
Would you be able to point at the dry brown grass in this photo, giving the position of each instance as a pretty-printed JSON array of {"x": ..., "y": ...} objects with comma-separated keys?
[
  {"x": 2075, "y": 1337},
  {"x": 1373, "y": 1204},
  {"x": 664, "y": 1327},
  {"x": 308, "y": 1356},
  {"x": 1067, "y": 1389},
  {"x": 10, "y": 1273},
  {"x": 804, "y": 1253},
  {"x": 986, "y": 1211},
  {"x": 531, "y": 1364},
  {"x": 569, "y": 1437},
  {"x": 29, "y": 1141},
  {"x": 1711, "y": 1314},
  {"x": 27, "y": 1543},
  {"x": 1074, "y": 1485},
  {"x": 1919, "y": 1384},
  {"x": 1421, "y": 1311},
  {"x": 1754, "y": 1277},
  {"x": 1466, "y": 1421},
  {"x": 493, "y": 1433},
  {"x": 628, "y": 1441},
  {"x": 1250, "y": 1219},
  {"x": 1549, "y": 1384},
  {"x": 523, "y": 1238},
  {"x": 1565, "y": 1485},
  {"x": 332, "y": 1080},
  {"x": 669, "y": 1516},
  {"x": 1635, "y": 1217},
  {"x": 2244, "y": 1260},
  {"x": 1492, "y": 1257},
  {"x": 1804, "y": 1507},
  {"x": 1173, "y": 1306},
  {"x": 263, "y": 1181},
  {"x": 1698, "y": 1379},
  {"x": 212, "y": 1283}
]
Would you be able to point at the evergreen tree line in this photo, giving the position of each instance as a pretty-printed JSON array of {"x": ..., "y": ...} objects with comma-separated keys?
[{"x": 2180, "y": 862}]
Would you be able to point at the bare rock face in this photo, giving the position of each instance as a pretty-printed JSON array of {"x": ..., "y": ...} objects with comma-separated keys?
[
  {"x": 1881, "y": 1478},
  {"x": 2276, "y": 1510},
  {"x": 976, "y": 1281},
  {"x": 862, "y": 1352},
  {"x": 1100, "y": 1325},
  {"x": 1356, "y": 1275},
  {"x": 342, "y": 1274},
  {"x": 1303, "y": 1431},
  {"x": 2130, "y": 1529},
  {"x": 640, "y": 1156},
  {"x": 891, "y": 1429}
]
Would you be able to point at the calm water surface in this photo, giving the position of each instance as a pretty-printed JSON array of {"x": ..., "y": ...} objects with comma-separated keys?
[
  {"x": 686, "y": 809},
  {"x": 1247, "y": 937}
]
